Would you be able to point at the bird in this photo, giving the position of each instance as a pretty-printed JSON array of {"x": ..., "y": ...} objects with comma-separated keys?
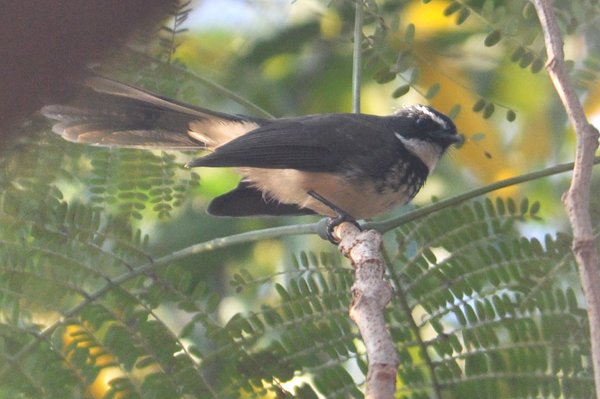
[{"x": 345, "y": 166}]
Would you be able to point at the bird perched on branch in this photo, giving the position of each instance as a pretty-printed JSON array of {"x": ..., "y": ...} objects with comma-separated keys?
[{"x": 345, "y": 166}]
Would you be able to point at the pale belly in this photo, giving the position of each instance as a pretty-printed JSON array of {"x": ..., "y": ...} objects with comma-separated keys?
[{"x": 291, "y": 186}]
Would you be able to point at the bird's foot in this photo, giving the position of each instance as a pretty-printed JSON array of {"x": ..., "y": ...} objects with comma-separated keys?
[{"x": 332, "y": 223}]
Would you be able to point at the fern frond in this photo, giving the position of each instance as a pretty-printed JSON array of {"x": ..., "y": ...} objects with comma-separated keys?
[
  {"x": 134, "y": 179},
  {"x": 167, "y": 40},
  {"x": 474, "y": 321}
]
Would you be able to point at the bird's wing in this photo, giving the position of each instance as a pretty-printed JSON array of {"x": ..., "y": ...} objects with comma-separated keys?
[
  {"x": 110, "y": 113},
  {"x": 246, "y": 200},
  {"x": 311, "y": 143}
]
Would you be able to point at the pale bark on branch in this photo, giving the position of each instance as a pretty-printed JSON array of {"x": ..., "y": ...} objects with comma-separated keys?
[
  {"x": 370, "y": 294},
  {"x": 576, "y": 199}
]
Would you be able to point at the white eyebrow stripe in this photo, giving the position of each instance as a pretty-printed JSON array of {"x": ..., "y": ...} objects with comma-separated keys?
[{"x": 426, "y": 110}]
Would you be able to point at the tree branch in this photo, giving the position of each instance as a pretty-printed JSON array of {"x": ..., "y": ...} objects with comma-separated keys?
[
  {"x": 576, "y": 199},
  {"x": 386, "y": 225},
  {"x": 370, "y": 294}
]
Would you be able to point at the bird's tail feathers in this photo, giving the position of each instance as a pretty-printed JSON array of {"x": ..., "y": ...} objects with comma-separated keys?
[{"x": 110, "y": 113}]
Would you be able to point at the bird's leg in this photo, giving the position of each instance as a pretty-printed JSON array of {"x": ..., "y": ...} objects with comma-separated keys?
[{"x": 342, "y": 216}]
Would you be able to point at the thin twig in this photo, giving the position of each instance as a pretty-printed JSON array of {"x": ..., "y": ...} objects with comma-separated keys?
[
  {"x": 576, "y": 199},
  {"x": 389, "y": 224},
  {"x": 207, "y": 82},
  {"x": 357, "y": 57}
]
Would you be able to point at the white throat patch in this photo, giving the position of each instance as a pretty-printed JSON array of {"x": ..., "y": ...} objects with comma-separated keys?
[{"x": 427, "y": 152}]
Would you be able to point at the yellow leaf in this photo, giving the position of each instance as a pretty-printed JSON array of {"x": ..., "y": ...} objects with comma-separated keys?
[{"x": 429, "y": 18}]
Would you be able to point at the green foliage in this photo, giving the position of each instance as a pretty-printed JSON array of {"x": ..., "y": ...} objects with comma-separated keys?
[
  {"x": 168, "y": 40},
  {"x": 484, "y": 314},
  {"x": 137, "y": 179},
  {"x": 479, "y": 309}
]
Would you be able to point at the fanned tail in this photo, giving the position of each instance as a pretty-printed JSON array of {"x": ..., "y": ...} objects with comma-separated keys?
[{"x": 110, "y": 113}]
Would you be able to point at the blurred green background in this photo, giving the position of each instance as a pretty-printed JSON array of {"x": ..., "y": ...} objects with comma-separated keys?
[{"x": 479, "y": 61}]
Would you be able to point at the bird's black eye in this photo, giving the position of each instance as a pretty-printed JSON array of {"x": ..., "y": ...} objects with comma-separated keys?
[{"x": 421, "y": 122}]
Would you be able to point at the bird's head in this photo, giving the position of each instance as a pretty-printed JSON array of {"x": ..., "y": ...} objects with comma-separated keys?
[{"x": 425, "y": 132}]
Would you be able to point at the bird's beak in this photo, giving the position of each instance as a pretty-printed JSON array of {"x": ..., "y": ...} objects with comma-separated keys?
[
  {"x": 459, "y": 139},
  {"x": 451, "y": 138}
]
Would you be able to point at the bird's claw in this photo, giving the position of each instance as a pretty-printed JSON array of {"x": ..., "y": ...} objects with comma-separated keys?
[{"x": 332, "y": 223}]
